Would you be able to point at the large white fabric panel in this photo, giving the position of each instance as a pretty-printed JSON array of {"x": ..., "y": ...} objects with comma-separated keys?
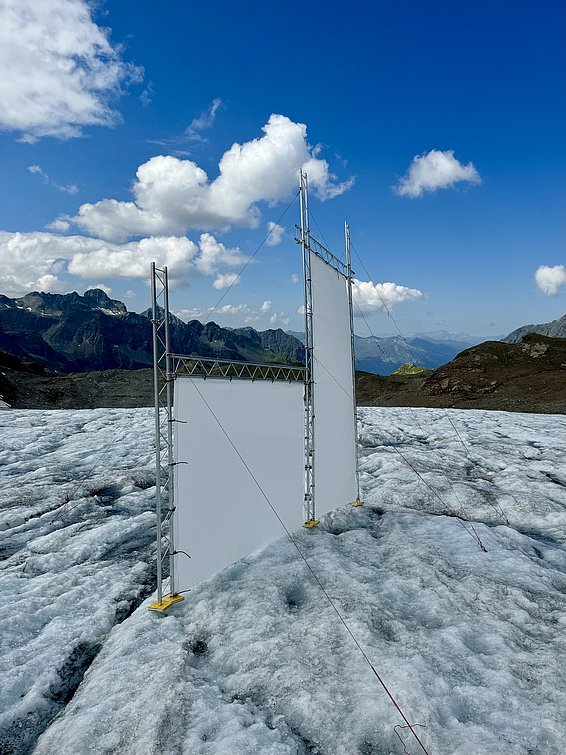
[
  {"x": 334, "y": 434},
  {"x": 221, "y": 516}
]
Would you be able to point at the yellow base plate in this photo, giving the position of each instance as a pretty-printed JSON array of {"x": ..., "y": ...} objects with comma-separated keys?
[
  {"x": 357, "y": 503},
  {"x": 311, "y": 523},
  {"x": 166, "y": 602}
]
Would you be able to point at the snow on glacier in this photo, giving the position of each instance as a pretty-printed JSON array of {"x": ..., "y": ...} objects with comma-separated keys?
[
  {"x": 76, "y": 540},
  {"x": 254, "y": 660}
]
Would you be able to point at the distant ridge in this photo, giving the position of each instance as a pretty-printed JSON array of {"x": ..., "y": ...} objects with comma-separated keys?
[
  {"x": 385, "y": 355},
  {"x": 554, "y": 329}
]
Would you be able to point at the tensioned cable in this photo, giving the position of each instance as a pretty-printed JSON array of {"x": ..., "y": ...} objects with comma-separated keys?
[
  {"x": 359, "y": 310},
  {"x": 319, "y": 229},
  {"x": 407, "y": 344},
  {"x": 498, "y": 509},
  {"x": 368, "y": 327},
  {"x": 244, "y": 268},
  {"x": 66, "y": 508},
  {"x": 459, "y": 518},
  {"x": 311, "y": 570},
  {"x": 461, "y": 515}
]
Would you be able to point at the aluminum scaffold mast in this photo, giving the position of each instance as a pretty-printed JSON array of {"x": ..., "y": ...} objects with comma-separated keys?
[
  {"x": 163, "y": 377},
  {"x": 358, "y": 501},
  {"x": 310, "y": 512}
]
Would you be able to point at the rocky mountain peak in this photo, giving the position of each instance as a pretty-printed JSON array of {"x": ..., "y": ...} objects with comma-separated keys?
[
  {"x": 58, "y": 305},
  {"x": 96, "y": 298}
]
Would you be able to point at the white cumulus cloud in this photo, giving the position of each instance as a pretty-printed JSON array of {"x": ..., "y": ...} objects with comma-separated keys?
[
  {"x": 171, "y": 195},
  {"x": 60, "y": 224},
  {"x": 241, "y": 312},
  {"x": 374, "y": 297},
  {"x": 225, "y": 280},
  {"x": 214, "y": 254},
  {"x": 202, "y": 313},
  {"x": 46, "y": 261},
  {"x": 193, "y": 313},
  {"x": 550, "y": 279},
  {"x": 58, "y": 69},
  {"x": 232, "y": 309},
  {"x": 133, "y": 260},
  {"x": 435, "y": 170},
  {"x": 276, "y": 233},
  {"x": 279, "y": 318}
]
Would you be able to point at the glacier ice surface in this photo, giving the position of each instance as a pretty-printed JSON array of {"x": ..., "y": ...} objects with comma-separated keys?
[{"x": 471, "y": 643}]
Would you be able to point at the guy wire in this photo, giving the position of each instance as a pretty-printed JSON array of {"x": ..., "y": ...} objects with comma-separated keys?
[{"x": 311, "y": 570}]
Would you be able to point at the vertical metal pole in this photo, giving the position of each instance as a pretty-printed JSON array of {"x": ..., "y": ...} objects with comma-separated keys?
[
  {"x": 155, "y": 324},
  {"x": 169, "y": 377},
  {"x": 351, "y": 309},
  {"x": 309, "y": 382}
]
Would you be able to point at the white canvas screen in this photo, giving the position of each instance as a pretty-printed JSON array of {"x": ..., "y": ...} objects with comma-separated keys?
[
  {"x": 220, "y": 514},
  {"x": 334, "y": 435}
]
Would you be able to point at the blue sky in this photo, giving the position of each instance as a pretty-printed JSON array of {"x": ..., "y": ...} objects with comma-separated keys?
[{"x": 473, "y": 90}]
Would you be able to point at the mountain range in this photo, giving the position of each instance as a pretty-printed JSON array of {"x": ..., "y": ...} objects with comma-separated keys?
[
  {"x": 385, "y": 355},
  {"x": 67, "y": 333},
  {"x": 70, "y": 351},
  {"x": 72, "y": 333}
]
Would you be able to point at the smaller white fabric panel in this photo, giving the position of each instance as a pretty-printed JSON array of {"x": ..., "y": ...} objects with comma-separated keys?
[
  {"x": 334, "y": 433},
  {"x": 221, "y": 515}
]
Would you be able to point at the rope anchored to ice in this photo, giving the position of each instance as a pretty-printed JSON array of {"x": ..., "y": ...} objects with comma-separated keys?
[{"x": 313, "y": 574}]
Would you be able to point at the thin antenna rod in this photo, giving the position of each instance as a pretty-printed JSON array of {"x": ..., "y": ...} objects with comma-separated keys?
[
  {"x": 358, "y": 501},
  {"x": 310, "y": 519}
]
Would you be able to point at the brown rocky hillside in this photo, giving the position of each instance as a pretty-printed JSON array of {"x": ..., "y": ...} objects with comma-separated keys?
[{"x": 519, "y": 377}]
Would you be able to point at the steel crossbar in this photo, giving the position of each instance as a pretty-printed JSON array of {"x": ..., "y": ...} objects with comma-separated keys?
[{"x": 195, "y": 366}]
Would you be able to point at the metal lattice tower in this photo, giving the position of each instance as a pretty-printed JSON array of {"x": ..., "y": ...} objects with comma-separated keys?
[
  {"x": 358, "y": 501},
  {"x": 309, "y": 503},
  {"x": 163, "y": 377}
]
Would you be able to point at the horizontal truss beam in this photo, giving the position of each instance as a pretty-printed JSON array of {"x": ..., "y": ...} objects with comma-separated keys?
[{"x": 188, "y": 366}]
